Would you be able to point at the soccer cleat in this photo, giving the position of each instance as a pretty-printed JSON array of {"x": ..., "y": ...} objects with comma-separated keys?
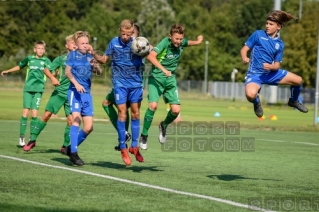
[
  {"x": 298, "y": 105},
  {"x": 135, "y": 151},
  {"x": 162, "y": 133},
  {"x": 75, "y": 159},
  {"x": 64, "y": 150},
  {"x": 143, "y": 142},
  {"x": 258, "y": 110},
  {"x": 21, "y": 140},
  {"x": 29, "y": 146},
  {"x": 125, "y": 157}
]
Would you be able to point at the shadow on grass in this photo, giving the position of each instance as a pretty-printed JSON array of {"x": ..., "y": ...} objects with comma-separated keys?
[
  {"x": 133, "y": 167},
  {"x": 65, "y": 161},
  {"x": 232, "y": 177}
]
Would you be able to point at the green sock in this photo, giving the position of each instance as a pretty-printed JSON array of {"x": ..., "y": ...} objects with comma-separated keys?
[
  {"x": 66, "y": 136},
  {"x": 110, "y": 111},
  {"x": 23, "y": 125},
  {"x": 169, "y": 118},
  {"x": 33, "y": 128},
  {"x": 148, "y": 118},
  {"x": 127, "y": 122},
  {"x": 39, "y": 126}
]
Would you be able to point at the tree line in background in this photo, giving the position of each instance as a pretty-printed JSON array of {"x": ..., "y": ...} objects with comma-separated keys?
[{"x": 225, "y": 24}]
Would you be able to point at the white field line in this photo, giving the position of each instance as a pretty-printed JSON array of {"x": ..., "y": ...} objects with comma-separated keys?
[{"x": 140, "y": 184}]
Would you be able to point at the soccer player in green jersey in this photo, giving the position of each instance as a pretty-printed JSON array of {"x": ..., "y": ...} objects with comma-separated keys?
[
  {"x": 162, "y": 81},
  {"x": 58, "y": 98},
  {"x": 33, "y": 86}
]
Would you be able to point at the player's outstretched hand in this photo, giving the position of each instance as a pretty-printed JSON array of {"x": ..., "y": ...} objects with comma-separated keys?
[
  {"x": 3, "y": 73},
  {"x": 200, "y": 38},
  {"x": 90, "y": 49}
]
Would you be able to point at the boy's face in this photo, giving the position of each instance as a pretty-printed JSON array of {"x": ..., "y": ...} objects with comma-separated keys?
[
  {"x": 70, "y": 45},
  {"x": 126, "y": 34},
  {"x": 272, "y": 27},
  {"x": 39, "y": 50},
  {"x": 83, "y": 44},
  {"x": 176, "y": 39}
]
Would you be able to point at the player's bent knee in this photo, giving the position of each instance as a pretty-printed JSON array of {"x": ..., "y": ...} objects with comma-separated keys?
[
  {"x": 106, "y": 103},
  {"x": 153, "y": 106}
]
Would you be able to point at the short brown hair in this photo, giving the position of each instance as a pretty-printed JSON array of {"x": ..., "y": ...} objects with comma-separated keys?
[
  {"x": 177, "y": 28},
  {"x": 39, "y": 42}
]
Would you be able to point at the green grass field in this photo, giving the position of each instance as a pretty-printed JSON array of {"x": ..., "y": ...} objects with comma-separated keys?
[{"x": 282, "y": 166}]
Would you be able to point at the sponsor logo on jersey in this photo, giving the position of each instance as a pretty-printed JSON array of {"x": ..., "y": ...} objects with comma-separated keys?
[{"x": 277, "y": 46}]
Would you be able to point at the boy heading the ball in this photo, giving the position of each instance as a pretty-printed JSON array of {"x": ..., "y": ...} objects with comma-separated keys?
[{"x": 127, "y": 83}]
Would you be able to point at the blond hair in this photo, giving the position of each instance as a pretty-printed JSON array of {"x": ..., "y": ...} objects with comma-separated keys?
[
  {"x": 79, "y": 34},
  {"x": 280, "y": 17},
  {"x": 127, "y": 24},
  {"x": 68, "y": 38}
]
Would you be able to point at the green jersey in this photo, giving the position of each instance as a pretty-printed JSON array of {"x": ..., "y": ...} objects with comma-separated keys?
[
  {"x": 168, "y": 56},
  {"x": 59, "y": 63},
  {"x": 35, "y": 79}
]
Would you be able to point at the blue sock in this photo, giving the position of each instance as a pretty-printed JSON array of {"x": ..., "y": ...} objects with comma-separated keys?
[
  {"x": 81, "y": 137},
  {"x": 74, "y": 131},
  {"x": 256, "y": 100},
  {"x": 135, "y": 127},
  {"x": 121, "y": 133},
  {"x": 295, "y": 91}
]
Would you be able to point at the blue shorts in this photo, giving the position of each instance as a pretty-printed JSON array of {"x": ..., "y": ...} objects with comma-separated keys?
[
  {"x": 80, "y": 102},
  {"x": 123, "y": 95},
  {"x": 269, "y": 78}
]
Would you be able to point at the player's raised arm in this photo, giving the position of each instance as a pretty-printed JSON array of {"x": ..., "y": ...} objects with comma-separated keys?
[
  {"x": 16, "y": 68},
  {"x": 196, "y": 42},
  {"x": 152, "y": 57},
  {"x": 99, "y": 58}
]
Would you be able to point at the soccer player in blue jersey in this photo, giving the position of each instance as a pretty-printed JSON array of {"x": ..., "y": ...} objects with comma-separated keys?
[
  {"x": 79, "y": 71},
  {"x": 264, "y": 62},
  {"x": 127, "y": 83}
]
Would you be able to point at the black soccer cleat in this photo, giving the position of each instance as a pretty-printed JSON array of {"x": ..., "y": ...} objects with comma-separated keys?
[
  {"x": 298, "y": 105},
  {"x": 258, "y": 110},
  {"x": 75, "y": 159}
]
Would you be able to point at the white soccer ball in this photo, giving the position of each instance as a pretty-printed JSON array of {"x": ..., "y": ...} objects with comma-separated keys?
[{"x": 140, "y": 46}]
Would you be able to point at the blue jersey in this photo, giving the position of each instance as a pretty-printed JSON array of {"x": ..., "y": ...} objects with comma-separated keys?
[
  {"x": 81, "y": 68},
  {"x": 126, "y": 67},
  {"x": 265, "y": 49}
]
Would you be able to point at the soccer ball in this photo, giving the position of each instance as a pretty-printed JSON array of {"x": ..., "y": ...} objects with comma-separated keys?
[{"x": 140, "y": 46}]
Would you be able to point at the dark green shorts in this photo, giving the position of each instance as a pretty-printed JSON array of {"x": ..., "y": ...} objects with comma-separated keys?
[
  {"x": 32, "y": 100},
  {"x": 163, "y": 86},
  {"x": 55, "y": 103}
]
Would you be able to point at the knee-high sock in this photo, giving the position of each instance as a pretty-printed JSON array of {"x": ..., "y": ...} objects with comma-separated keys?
[
  {"x": 33, "y": 128},
  {"x": 295, "y": 91},
  {"x": 23, "y": 125},
  {"x": 66, "y": 136},
  {"x": 135, "y": 128},
  {"x": 40, "y": 125},
  {"x": 74, "y": 132},
  {"x": 121, "y": 133},
  {"x": 81, "y": 137},
  {"x": 148, "y": 118},
  {"x": 112, "y": 114},
  {"x": 170, "y": 117}
]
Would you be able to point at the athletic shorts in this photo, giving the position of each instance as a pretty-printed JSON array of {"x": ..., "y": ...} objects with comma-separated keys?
[
  {"x": 110, "y": 98},
  {"x": 55, "y": 103},
  {"x": 271, "y": 78},
  {"x": 80, "y": 102},
  {"x": 123, "y": 95},
  {"x": 163, "y": 86},
  {"x": 32, "y": 100}
]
